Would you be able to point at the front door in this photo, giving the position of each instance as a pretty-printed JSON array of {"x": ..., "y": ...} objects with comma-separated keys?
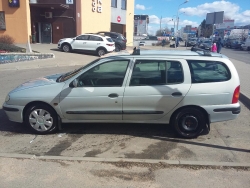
[
  {"x": 98, "y": 95},
  {"x": 80, "y": 42},
  {"x": 46, "y": 33},
  {"x": 57, "y": 32},
  {"x": 155, "y": 88}
]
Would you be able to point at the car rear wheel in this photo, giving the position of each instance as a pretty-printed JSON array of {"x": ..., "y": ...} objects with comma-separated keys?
[
  {"x": 41, "y": 119},
  {"x": 117, "y": 48},
  {"x": 66, "y": 48},
  {"x": 101, "y": 52},
  {"x": 189, "y": 122}
]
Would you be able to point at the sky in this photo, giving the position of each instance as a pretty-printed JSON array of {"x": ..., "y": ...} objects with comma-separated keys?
[{"x": 191, "y": 13}]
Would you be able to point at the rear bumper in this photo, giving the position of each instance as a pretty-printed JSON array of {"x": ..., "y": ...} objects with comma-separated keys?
[
  {"x": 14, "y": 112},
  {"x": 223, "y": 112}
]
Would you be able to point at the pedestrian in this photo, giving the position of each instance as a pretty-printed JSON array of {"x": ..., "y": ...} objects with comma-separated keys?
[
  {"x": 219, "y": 45},
  {"x": 214, "y": 48}
]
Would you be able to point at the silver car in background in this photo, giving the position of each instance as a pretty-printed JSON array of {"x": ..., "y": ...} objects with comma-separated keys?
[{"x": 186, "y": 89}]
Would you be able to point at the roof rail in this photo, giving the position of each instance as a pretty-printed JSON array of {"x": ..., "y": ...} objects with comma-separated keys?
[{"x": 205, "y": 52}]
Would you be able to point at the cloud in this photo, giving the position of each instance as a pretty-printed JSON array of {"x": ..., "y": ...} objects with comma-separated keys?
[
  {"x": 140, "y": 7},
  {"x": 231, "y": 11},
  {"x": 153, "y": 19}
]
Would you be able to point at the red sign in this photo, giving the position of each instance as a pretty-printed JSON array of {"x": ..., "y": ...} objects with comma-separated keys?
[{"x": 119, "y": 19}]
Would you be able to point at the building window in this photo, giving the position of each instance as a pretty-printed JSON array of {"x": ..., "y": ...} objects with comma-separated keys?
[
  {"x": 2, "y": 21},
  {"x": 124, "y": 4},
  {"x": 114, "y": 3}
]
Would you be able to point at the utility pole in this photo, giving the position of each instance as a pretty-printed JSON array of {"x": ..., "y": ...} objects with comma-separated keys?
[{"x": 160, "y": 24}]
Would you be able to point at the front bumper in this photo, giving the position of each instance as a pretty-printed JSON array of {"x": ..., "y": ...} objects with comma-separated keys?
[{"x": 14, "y": 112}]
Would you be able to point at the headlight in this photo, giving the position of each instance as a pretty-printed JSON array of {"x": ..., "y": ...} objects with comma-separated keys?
[{"x": 7, "y": 98}]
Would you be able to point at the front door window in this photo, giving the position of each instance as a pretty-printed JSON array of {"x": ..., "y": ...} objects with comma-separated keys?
[{"x": 110, "y": 74}]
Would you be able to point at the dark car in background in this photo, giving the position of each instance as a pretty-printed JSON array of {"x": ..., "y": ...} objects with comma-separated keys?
[
  {"x": 191, "y": 42},
  {"x": 206, "y": 45},
  {"x": 118, "y": 38}
]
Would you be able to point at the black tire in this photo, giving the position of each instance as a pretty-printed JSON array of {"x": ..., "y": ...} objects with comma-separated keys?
[
  {"x": 101, "y": 52},
  {"x": 66, "y": 48},
  {"x": 41, "y": 119},
  {"x": 194, "y": 118},
  {"x": 117, "y": 48}
]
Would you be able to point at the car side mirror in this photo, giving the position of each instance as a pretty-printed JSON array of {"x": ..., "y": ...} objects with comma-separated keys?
[{"x": 74, "y": 83}]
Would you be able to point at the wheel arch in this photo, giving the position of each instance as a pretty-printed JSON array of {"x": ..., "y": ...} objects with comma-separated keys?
[
  {"x": 67, "y": 44},
  {"x": 37, "y": 102},
  {"x": 101, "y": 47},
  {"x": 190, "y": 106}
]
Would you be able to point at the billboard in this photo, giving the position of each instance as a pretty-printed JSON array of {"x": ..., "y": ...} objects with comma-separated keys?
[
  {"x": 215, "y": 17},
  {"x": 227, "y": 24}
]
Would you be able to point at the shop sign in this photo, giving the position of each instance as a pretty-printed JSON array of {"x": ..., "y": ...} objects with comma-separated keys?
[
  {"x": 2, "y": 21},
  {"x": 14, "y": 3},
  {"x": 97, "y": 6},
  {"x": 70, "y": 2}
]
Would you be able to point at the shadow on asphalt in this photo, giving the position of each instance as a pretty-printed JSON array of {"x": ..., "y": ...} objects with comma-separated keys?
[
  {"x": 153, "y": 131},
  {"x": 76, "y": 52}
]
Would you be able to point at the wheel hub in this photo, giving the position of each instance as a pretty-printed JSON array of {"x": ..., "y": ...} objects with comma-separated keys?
[{"x": 189, "y": 123}]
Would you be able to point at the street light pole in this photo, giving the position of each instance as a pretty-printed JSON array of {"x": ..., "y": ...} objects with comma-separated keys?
[{"x": 177, "y": 19}]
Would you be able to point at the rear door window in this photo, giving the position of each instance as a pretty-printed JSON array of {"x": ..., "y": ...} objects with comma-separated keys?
[
  {"x": 208, "y": 71},
  {"x": 156, "y": 72}
]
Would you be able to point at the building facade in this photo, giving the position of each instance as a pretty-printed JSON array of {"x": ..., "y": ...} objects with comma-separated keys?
[
  {"x": 141, "y": 25},
  {"x": 47, "y": 21}
]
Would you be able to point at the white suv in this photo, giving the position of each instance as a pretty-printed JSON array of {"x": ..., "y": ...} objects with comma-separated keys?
[{"x": 88, "y": 42}]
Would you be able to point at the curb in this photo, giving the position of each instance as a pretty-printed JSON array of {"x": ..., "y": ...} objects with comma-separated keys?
[
  {"x": 123, "y": 160},
  {"x": 245, "y": 100}
]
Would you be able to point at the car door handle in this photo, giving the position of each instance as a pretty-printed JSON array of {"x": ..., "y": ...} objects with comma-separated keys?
[
  {"x": 84, "y": 43},
  {"x": 177, "y": 94},
  {"x": 113, "y": 95}
]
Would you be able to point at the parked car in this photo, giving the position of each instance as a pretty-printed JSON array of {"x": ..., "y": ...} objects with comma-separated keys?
[
  {"x": 206, "y": 45},
  {"x": 191, "y": 42},
  {"x": 142, "y": 43},
  {"x": 246, "y": 44},
  {"x": 186, "y": 89},
  {"x": 118, "y": 38},
  {"x": 88, "y": 42}
]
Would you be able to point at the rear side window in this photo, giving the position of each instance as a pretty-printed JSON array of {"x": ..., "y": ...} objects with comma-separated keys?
[
  {"x": 208, "y": 71},
  {"x": 109, "y": 40}
]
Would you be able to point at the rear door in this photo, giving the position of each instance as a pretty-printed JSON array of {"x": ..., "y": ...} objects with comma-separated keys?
[
  {"x": 94, "y": 42},
  {"x": 156, "y": 86}
]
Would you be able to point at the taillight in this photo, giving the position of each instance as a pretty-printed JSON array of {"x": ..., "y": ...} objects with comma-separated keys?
[
  {"x": 236, "y": 95},
  {"x": 110, "y": 45}
]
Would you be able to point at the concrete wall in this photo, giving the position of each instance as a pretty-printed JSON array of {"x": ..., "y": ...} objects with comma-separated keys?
[
  {"x": 17, "y": 21},
  {"x": 130, "y": 22},
  {"x": 93, "y": 21}
]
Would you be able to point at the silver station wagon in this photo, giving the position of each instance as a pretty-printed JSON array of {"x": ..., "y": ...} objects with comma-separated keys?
[{"x": 186, "y": 89}]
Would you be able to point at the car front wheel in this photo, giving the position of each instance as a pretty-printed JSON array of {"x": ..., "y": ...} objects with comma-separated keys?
[
  {"x": 189, "y": 122},
  {"x": 41, "y": 119},
  {"x": 66, "y": 48}
]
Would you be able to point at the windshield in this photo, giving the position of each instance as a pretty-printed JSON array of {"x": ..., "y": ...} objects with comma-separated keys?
[{"x": 70, "y": 74}]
